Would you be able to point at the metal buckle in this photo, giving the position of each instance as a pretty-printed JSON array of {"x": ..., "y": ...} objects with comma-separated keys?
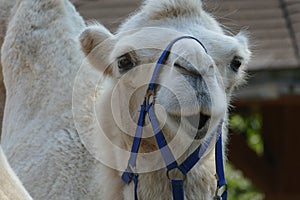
[
  {"x": 131, "y": 168},
  {"x": 149, "y": 97},
  {"x": 217, "y": 198},
  {"x": 175, "y": 174},
  {"x": 220, "y": 191}
]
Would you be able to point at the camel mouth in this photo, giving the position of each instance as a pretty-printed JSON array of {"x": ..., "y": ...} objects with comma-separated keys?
[
  {"x": 196, "y": 125},
  {"x": 200, "y": 123},
  {"x": 201, "y": 119}
]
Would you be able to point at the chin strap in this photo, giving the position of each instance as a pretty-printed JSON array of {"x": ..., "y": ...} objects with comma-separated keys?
[
  {"x": 221, "y": 192},
  {"x": 171, "y": 164}
]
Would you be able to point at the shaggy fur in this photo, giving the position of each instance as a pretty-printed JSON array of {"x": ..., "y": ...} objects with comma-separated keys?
[
  {"x": 41, "y": 56},
  {"x": 10, "y": 186}
]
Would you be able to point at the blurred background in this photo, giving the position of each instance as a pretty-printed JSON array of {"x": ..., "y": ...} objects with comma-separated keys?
[{"x": 264, "y": 149}]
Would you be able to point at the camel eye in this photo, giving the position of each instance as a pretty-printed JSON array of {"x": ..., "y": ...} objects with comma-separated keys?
[
  {"x": 236, "y": 63},
  {"x": 125, "y": 63}
]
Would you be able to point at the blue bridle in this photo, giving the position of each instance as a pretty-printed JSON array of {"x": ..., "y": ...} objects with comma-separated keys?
[{"x": 147, "y": 107}]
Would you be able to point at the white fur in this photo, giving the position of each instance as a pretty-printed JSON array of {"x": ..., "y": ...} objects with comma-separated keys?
[
  {"x": 41, "y": 56},
  {"x": 10, "y": 186}
]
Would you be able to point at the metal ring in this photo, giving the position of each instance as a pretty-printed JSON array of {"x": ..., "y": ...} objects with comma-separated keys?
[
  {"x": 174, "y": 175},
  {"x": 219, "y": 188},
  {"x": 149, "y": 96}
]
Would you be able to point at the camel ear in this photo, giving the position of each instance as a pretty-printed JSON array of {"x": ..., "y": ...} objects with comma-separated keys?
[
  {"x": 243, "y": 39},
  {"x": 93, "y": 36}
]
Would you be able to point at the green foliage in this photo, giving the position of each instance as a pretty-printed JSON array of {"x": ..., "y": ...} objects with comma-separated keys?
[
  {"x": 239, "y": 187},
  {"x": 249, "y": 125}
]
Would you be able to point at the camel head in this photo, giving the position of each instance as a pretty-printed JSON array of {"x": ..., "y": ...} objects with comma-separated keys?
[{"x": 193, "y": 88}]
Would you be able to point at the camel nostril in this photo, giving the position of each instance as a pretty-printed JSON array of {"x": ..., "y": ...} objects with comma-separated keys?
[
  {"x": 186, "y": 68},
  {"x": 198, "y": 121},
  {"x": 180, "y": 68}
]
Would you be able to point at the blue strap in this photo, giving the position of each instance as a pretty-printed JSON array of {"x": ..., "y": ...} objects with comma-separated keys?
[
  {"x": 177, "y": 189},
  {"x": 135, "y": 181},
  {"x": 128, "y": 175},
  {"x": 166, "y": 152},
  {"x": 161, "y": 61},
  {"x": 220, "y": 166},
  {"x": 138, "y": 135},
  {"x": 192, "y": 160}
]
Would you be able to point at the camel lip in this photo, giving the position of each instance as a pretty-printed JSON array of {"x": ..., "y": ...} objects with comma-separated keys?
[{"x": 200, "y": 123}]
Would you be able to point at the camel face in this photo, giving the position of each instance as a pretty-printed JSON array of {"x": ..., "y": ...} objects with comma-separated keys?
[
  {"x": 192, "y": 90},
  {"x": 192, "y": 87}
]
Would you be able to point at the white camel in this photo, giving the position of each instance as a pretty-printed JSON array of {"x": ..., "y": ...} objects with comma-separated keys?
[{"x": 41, "y": 56}]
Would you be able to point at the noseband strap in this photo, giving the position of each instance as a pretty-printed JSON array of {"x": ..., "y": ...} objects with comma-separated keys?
[{"x": 147, "y": 107}]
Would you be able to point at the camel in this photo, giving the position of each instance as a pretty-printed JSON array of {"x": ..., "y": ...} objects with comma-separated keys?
[{"x": 69, "y": 122}]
